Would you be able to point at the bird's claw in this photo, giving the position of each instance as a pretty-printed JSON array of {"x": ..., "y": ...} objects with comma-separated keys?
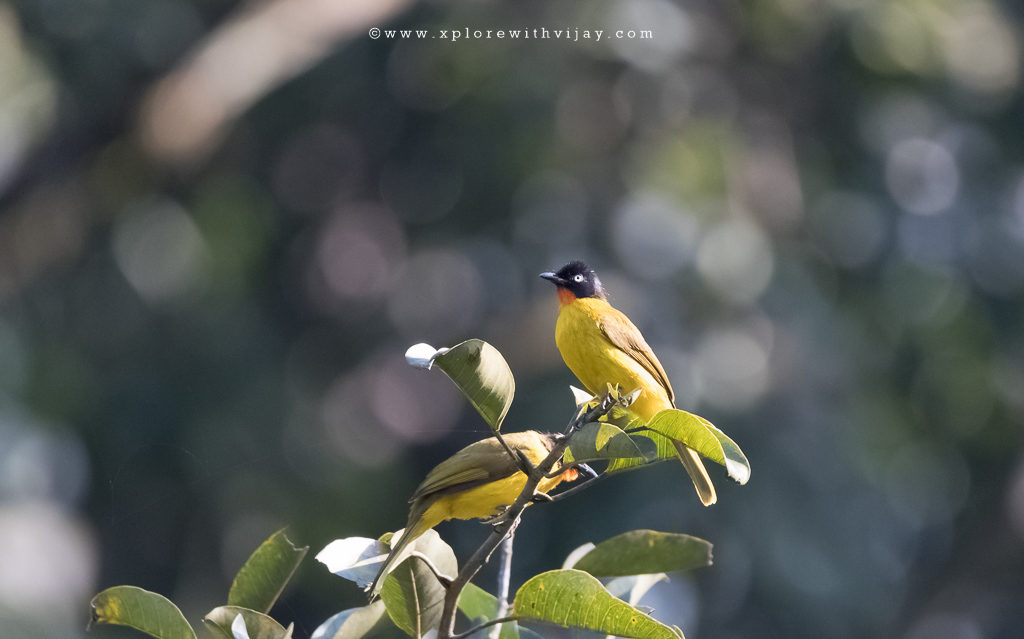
[{"x": 497, "y": 519}]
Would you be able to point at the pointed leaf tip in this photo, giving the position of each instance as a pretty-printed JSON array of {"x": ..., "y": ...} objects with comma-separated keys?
[
  {"x": 264, "y": 575},
  {"x": 705, "y": 438},
  {"x": 580, "y": 396},
  {"x": 143, "y": 610}
]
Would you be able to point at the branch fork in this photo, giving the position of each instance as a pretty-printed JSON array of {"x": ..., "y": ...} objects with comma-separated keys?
[{"x": 504, "y": 525}]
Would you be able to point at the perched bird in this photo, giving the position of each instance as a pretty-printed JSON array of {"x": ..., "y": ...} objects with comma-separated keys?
[
  {"x": 601, "y": 346},
  {"x": 475, "y": 483}
]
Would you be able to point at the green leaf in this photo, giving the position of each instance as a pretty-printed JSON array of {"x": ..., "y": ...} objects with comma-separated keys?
[
  {"x": 354, "y": 623},
  {"x": 411, "y": 592},
  {"x": 259, "y": 625},
  {"x": 575, "y": 599},
  {"x": 702, "y": 436},
  {"x": 265, "y": 574},
  {"x": 429, "y": 546},
  {"x": 641, "y": 552},
  {"x": 631, "y": 423},
  {"x": 479, "y": 606},
  {"x": 483, "y": 376},
  {"x": 600, "y": 440},
  {"x": 662, "y": 445},
  {"x": 141, "y": 609},
  {"x": 477, "y": 603}
]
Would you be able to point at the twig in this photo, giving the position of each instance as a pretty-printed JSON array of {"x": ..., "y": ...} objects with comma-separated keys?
[
  {"x": 524, "y": 464},
  {"x": 492, "y": 622},
  {"x": 555, "y": 473},
  {"x": 577, "y": 488},
  {"x": 597, "y": 477},
  {"x": 504, "y": 579}
]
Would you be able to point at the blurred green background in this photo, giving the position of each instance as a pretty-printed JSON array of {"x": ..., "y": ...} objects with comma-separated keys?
[{"x": 221, "y": 224}]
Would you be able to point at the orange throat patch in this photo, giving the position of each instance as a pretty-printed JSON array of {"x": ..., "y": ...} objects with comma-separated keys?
[
  {"x": 570, "y": 474},
  {"x": 565, "y": 297}
]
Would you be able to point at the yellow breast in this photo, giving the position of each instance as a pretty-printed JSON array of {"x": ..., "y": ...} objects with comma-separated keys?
[{"x": 597, "y": 362}]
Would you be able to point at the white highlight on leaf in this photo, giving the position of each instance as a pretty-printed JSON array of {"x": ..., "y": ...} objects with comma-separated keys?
[
  {"x": 634, "y": 587},
  {"x": 333, "y": 624},
  {"x": 737, "y": 471},
  {"x": 238, "y": 629},
  {"x": 354, "y": 622},
  {"x": 357, "y": 559},
  {"x": 577, "y": 554},
  {"x": 422, "y": 355},
  {"x": 580, "y": 396}
]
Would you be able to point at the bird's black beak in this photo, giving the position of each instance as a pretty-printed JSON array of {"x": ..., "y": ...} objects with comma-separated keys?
[{"x": 551, "y": 277}]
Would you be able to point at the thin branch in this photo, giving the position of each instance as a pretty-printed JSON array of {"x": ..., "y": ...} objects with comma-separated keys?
[
  {"x": 492, "y": 622},
  {"x": 555, "y": 473},
  {"x": 517, "y": 456},
  {"x": 584, "y": 469},
  {"x": 504, "y": 579},
  {"x": 587, "y": 483},
  {"x": 504, "y": 444},
  {"x": 511, "y": 531}
]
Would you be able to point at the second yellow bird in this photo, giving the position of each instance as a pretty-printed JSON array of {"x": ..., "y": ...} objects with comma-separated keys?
[
  {"x": 477, "y": 482},
  {"x": 601, "y": 346}
]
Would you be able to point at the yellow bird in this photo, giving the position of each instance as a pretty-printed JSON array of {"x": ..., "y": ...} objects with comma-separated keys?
[
  {"x": 477, "y": 482},
  {"x": 601, "y": 346}
]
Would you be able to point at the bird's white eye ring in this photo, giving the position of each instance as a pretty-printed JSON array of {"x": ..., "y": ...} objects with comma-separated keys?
[{"x": 577, "y": 278}]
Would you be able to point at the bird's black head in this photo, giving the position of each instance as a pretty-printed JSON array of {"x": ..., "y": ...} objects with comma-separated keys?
[{"x": 576, "y": 278}]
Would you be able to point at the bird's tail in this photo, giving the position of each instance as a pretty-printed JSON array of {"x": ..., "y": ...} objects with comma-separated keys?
[
  {"x": 695, "y": 469},
  {"x": 413, "y": 529}
]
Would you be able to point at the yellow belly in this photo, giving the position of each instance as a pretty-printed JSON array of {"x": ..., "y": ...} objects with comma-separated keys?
[
  {"x": 480, "y": 502},
  {"x": 596, "y": 362}
]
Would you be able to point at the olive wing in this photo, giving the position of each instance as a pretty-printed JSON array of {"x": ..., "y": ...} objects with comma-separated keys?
[
  {"x": 625, "y": 336},
  {"x": 479, "y": 463}
]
